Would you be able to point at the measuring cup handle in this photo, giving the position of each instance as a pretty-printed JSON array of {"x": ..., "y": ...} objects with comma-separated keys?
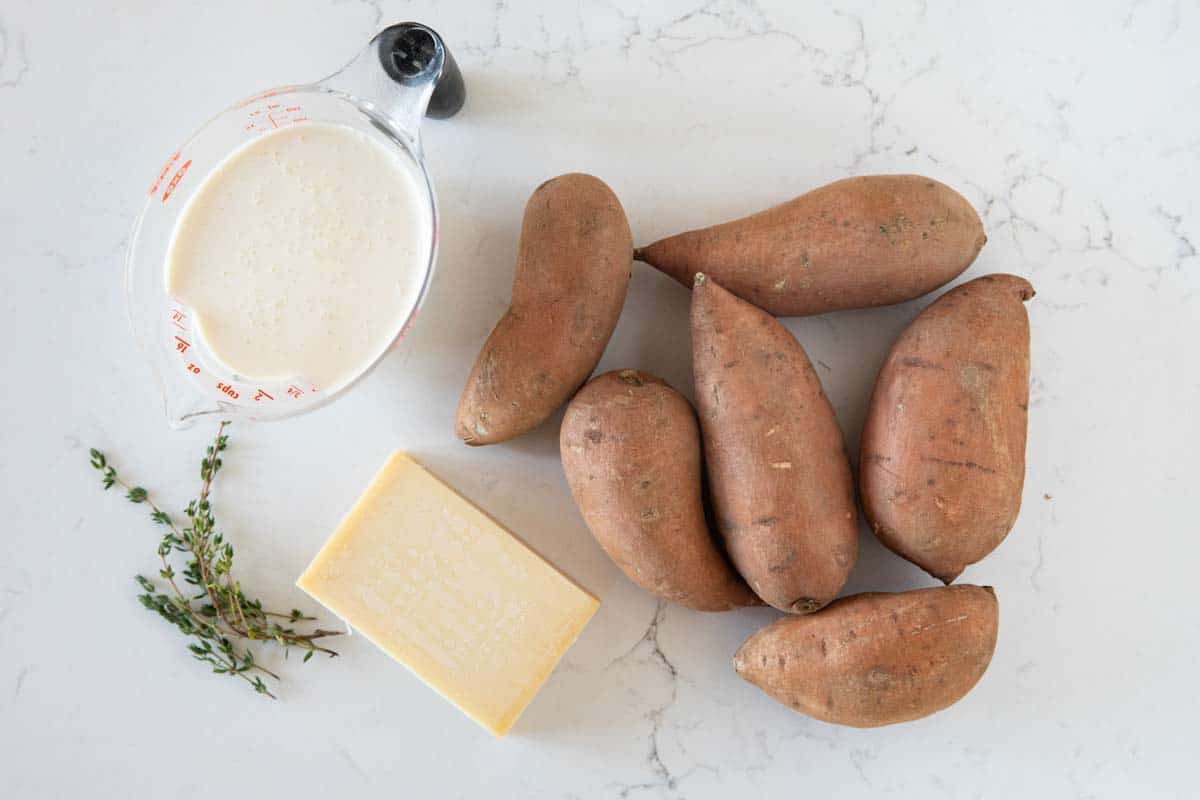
[{"x": 412, "y": 53}]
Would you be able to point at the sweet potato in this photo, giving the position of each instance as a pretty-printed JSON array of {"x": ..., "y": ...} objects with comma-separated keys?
[
  {"x": 876, "y": 659},
  {"x": 572, "y": 273},
  {"x": 779, "y": 477},
  {"x": 858, "y": 242},
  {"x": 631, "y": 452},
  {"x": 943, "y": 449}
]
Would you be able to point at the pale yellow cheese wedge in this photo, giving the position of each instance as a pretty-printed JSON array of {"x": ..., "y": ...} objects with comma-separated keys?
[{"x": 448, "y": 593}]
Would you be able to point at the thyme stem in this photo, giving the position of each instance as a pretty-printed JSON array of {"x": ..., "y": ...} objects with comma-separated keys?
[{"x": 221, "y": 616}]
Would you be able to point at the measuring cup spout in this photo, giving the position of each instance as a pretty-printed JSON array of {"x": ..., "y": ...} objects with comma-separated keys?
[{"x": 404, "y": 74}]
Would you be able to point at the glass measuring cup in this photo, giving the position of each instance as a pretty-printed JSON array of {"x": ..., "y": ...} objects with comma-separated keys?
[{"x": 403, "y": 75}]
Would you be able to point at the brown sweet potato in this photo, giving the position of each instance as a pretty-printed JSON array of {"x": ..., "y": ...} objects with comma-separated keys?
[
  {"x": 572, "y": 273},
  {"x": 780, "y": 480},
  {"x": 631, "y": 451},
  {"x": 876, "y": 659},
  {"x": 943, "y": 449},
  {"x": 855, "y": 243}
]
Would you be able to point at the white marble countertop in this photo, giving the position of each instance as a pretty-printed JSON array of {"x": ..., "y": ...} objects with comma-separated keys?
[{"x": 1076, "y": 135}]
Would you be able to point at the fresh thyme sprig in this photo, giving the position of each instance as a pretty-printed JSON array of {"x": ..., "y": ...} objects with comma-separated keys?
[{"x": 217, "y": 613}]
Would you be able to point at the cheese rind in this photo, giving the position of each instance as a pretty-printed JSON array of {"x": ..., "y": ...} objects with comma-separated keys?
[{"x": 444, "y": 590}]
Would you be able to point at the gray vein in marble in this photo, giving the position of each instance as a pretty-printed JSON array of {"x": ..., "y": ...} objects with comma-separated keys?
[
  {"x": 6, "y": 53},
  {"x": 22, "y": 580},
  {"x": 937, "y": 783},
  {"x": 16, "y": 586},
  {"x": 1037, "y": 391},
  {"x": 1001, "y": 210},
  {"x": 855, "y": 72},
  {"x": 760, "y": 26},
  {"x": 834, "y": 333},
  {"x": 1035, "y": 575},
  {"x": 1021, "y": 178},
  {"x": 1192, "y": 147},
  {"x": 760, "y": 738},
  {"x": 626, "y": 45},
  {"x": 1107, "y": 238},
  {"x": 376, "y": 7},
  {"x": 21, "y": 676},
  {"x": 859, "y": 758},
  {"x": 811, "y": 736},
  {"x": 487, "y": 51},
  {"x": 1106, "y": 245},
  {"x": 860, "y": 52},
  {"x": 1133, "y": 7},
  {"x": 664, "y": 778},
  {"x": 1061, "y": 105},
  {"x": 740, "y": 19},
  {"x": 349, "y": 759},
  {"x": 1184, "y": 249},
  {"x": 1157, "y": 269},
  {"x": 1174, "y": 18},
  {"x": 1175, "y": 21}
]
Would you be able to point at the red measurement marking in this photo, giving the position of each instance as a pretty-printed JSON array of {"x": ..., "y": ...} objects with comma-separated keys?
[
  {"x": 273, "y": 116},
  {"x": 227, "y": 390},
  {"x": 294, "y": 391},
  {"x": 268, "y": 93},
  {"x": 177, "y": 319},
  {"x": 408, "y": 325},
  {"x": 403, "y": 332},
  {"x": 182, "y": 345},
  {"x": 192, "y": 368},
  {"x": 262, "y": 395},
  {"x": 175, "y": 181},
  {"x": 166, "y": 168}
]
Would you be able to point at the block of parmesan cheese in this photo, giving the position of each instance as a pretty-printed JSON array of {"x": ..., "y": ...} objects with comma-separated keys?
[{"x": 448, "y": 593}]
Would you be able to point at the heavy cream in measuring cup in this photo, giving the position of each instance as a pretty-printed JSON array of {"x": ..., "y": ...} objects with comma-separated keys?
[{"x": 302, "y": 254}]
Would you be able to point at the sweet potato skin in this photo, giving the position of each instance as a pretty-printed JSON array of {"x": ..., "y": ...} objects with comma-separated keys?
[
  {"x": 877, "y": 658},
  {"x": 780, "y": 481},
  {"x": 943, "y": 450},
  {"x": 631, "y": 453},
  {"x": 855, "y": 243},
  {"x": 572, "y": 274}
]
